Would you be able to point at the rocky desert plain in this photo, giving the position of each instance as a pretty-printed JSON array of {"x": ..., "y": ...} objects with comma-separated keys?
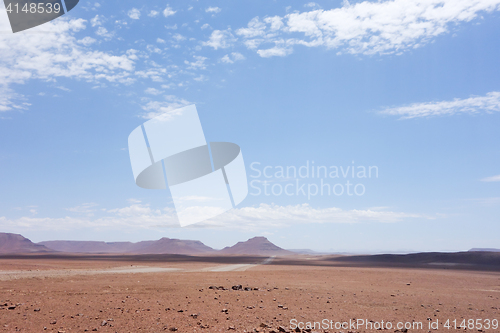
[{"x": 253, "y": 286}]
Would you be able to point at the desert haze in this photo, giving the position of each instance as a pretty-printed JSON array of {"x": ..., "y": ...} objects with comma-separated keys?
[{"x": 253, "y": 286}]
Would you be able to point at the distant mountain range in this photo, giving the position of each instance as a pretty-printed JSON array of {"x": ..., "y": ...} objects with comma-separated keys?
[
  {"x": 484, "y": 250},
  {"x": 14, "y": 243},
  {"x": 161, "y": 246}
]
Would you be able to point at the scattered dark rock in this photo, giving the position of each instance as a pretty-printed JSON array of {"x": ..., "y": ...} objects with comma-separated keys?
[
  {"x": 237, "y": 287},
  {"x": 217, "y": 288}
]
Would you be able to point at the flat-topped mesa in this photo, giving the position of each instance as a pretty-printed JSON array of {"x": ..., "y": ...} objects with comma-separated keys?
[
  {"x": 256, "y": 246},
  {"x": 15, "y": 243}
]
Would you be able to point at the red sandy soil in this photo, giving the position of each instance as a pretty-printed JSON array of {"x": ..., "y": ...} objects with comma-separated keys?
[{"x": 304, "y": 288}]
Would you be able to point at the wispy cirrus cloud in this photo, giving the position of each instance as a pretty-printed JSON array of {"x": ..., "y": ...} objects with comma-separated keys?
[
  {"x": 383, "y": 27},
  {"x": 139, "y": 215},
  {"x": 9, "y": 100},
  {"x": 86, "y": 208},
  {"x": 491, "y": 179},
  {"x": 473, "y": 105},
  {"x": 265, "y": 216},
  {"x": 155, "y": 108}
]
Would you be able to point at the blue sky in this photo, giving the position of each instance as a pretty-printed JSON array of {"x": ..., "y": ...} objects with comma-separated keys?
[{"x": 411, "y": 87}]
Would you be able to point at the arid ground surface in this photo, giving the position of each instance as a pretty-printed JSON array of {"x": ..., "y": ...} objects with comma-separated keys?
[{"x": 78, "y": 293}]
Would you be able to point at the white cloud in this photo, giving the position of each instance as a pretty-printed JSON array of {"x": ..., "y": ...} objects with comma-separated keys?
[
  {"x": 168, "y": 11},
  {"x": 205, "y": 26},
  {"x": 153, "y": 49},
  {"x": 54, "y": 54},
  {"x": 96, "y": 21},
  {"x": 277, "y": 51},
  {"x": 134, "y": 14},
  {"x": 159, "y": 40},
  {"x": 138, "y": 215},
  {"x": 200, "y": 78},
  {"x": 171, "y": 27},
  {"x": 156, "y": 108},
  {"x": 178, "y": 37},
  {"x": 199, "y": 63},
  {"x": 8, "y": 100},
  {"x": 134, "y": 210},
  {"x": 226, "y": 59},
  {"x": 153, "y": 13},
  {"x": 275, "y": 23},
  {"x": 155, "y": 73},
  {"x": 87, "y": 41},
  {"x": 52, "y": 51},
  {"x": 234, "y": 56},
  {"x": 214, "y": 10},
  {"x": 103, "y": 32},
  {"x": 220, "y": 39},
  {"x": 153, "y": 91},
  {"x": 63, "y": 88},
  {"x": 265, "y": 216},
  {"x": 473, "y": 105},
  {"x": 491, "y": 179},
  {"x": 312, "y": 5},
  {"x": 383, "y": 27},
  {"x": 86, "y": 208},
  {"x": 254, "y": 28}
]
